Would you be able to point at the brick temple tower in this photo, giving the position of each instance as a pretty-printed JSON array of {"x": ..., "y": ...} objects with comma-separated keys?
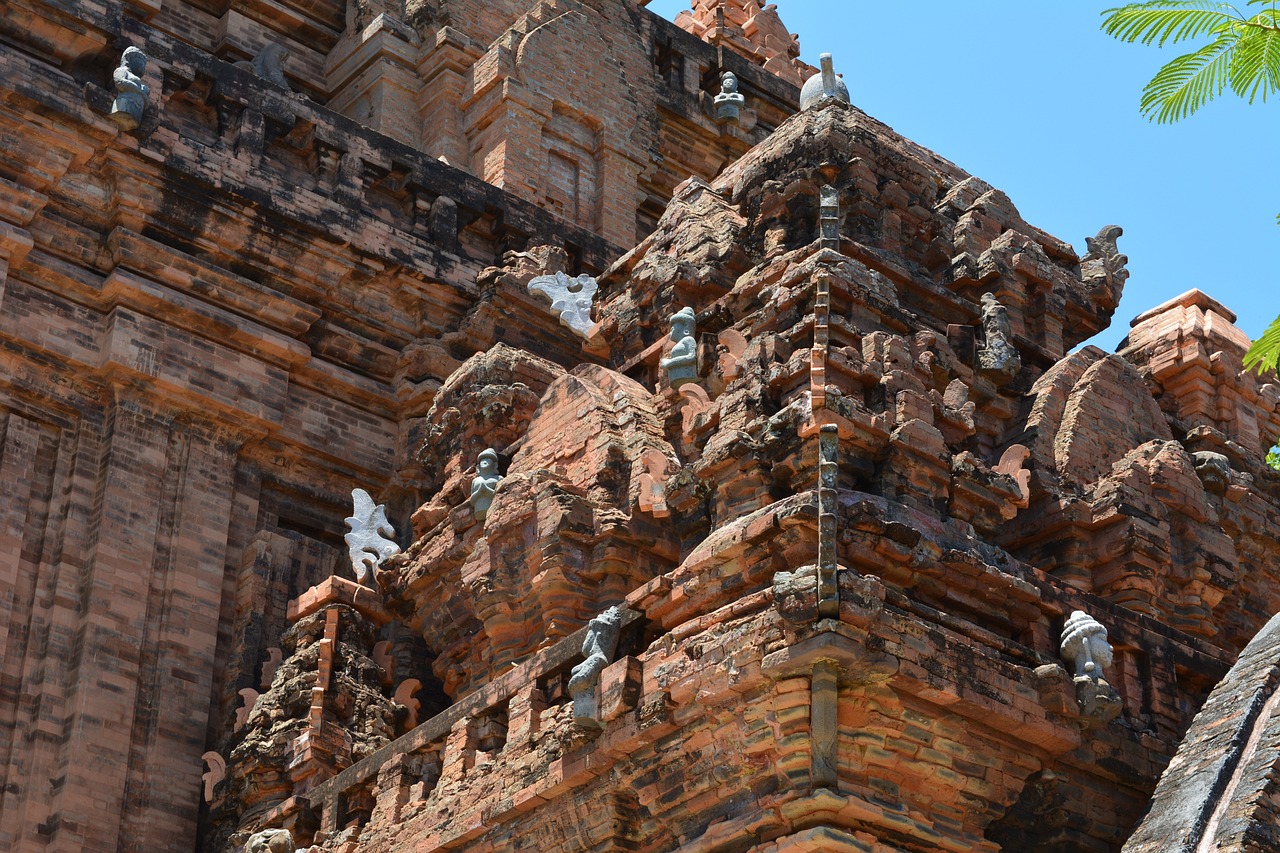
[{"x": 727, "y": 472}]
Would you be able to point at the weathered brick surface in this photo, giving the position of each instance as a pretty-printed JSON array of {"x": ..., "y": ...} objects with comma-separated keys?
[{"x": 212, "y": 328}]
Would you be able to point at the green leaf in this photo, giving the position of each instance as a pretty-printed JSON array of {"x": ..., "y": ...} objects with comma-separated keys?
[
  {"x": 1255, "y": 61},
  {"x": 1168, "y": 20},
  {"x": 1188, "y": 82},
  {"x": 1264, "y": 354}
]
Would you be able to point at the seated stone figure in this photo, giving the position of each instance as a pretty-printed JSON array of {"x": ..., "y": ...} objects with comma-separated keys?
[
  {"x": 131, "y": 92},
  {"x": 485, "y": 482},
  {"x": 681, "y": 365}
]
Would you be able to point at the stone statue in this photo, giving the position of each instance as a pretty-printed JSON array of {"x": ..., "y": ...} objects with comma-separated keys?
[
  {"x": 998, "y": 359},
  {"x": 571, "y": 297},
  {"x": 131, "y": 92},
  {"x": 486, "y": 481},
  {"x": 370, "y": 537},
  {"x": 823, "y": 87},
  {"x": 599, "y": 647},
  {"x": 270, "y": 841},
  {"x": 1214, "y": 470},
  {"x": 1084, "y": 644},
  {"x": 1105, "y": 248},
  {"x": 729, "y": 102},
  {"x": 269, "y": 65},
  {"x": 681, "y": 365}
]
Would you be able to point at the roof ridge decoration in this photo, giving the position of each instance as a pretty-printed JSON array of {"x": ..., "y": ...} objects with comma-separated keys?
[{"x": 751, "y": 30}]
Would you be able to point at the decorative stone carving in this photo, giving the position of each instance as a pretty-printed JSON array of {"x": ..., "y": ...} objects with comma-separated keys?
[
  {"x": 270, "y": 841},
  {"x": 998, "y": 359},
  {"x": 824, "y": 86},
  {"x": 1012, "y": 463},
  {"x": 1085, "y": 647},
  {"x": 729, "y": 102},
  {"x": 382, "y": 657},
  {"x": 653, "y": 484},
  {"x": 268, "y": 64},
  {"x": 269, "y": 667},
  {"x": 681, "y": 365},
  {"x": 735, "y": 344},
  {"x": 599, "y": 647},
  {"x": 571, "y": 297},
  {"x": 131, "y": 92},
  {"x": 216, "y": 773},
  {"x": 370, "y": 537},
  {"x": 1214, "y": 470},
  {"x": 1104, "y": 248},
  {"x": 486, "y": 481},
  {"x": 249, "y": 698},
  {"x": 404, "y": 696}
]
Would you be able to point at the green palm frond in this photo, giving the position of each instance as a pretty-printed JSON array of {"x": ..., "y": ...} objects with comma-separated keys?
[
  {"x": 1188, "y": 82},
  {"x": 1160, "y": 21},
  {"x": 1264, "y": 354},
  {"x": 1255, "y": 62}
]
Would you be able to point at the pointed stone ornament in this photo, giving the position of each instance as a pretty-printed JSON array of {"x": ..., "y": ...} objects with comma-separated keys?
[
  {"x": 570, "y": 297},
  {"x": 370, "y": 537},
  {"x": 823, "y": 87}
]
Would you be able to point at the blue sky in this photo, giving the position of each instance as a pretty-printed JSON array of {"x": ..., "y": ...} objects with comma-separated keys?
[{"x": 1035, "y": 99}]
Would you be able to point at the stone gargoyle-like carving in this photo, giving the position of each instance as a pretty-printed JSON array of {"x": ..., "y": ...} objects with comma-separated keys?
[
  {"x": 131, "y": 92},
  {"x": 370, "y": 537},
  {"x": 1104, "y": 250},
  {"x": 485, "y": 483},
  {"x": 599, "y": 647},
  {"x": 572, "y": 297},
  {"x": 270, "y": 841},
  {"x": 823, "y": 86},
  {"x": 728, "y": 104},
  {"x": 681, "y": 365},
  {"x": 1214, "y": 470},
  {"x": 1085, "y": 647},
  {"x": 998, "y": 359},
  {"x": 268, "y": 64}
]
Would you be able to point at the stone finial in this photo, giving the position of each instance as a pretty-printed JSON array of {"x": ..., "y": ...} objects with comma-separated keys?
[
  {"x": 270, "y": 841},
  {"x": 599, "y": 647},
  {"x": 1214, "y": 470},
  {"x": 370, "y": 537},
  {"x": 484, "y": 484},
  {"x": 131, "y": 92},
  {"x": 269, "y": 667},
  {"x": 248, "y": 698},
  {"x": 404, "y": 695},
  {"x": 681, "y": 365},
  {"x": 268, "y": 64},
  {"x": 824, "y": 87},
  {"x": 216, "y": 773},
  {"x": 730, "y": 101},
  {"x": 998, "y": 359},
  {"x": 1085, "y": 646},
  {"x": 571, "y": 297},
  {"x": 1104, "y": 248}
]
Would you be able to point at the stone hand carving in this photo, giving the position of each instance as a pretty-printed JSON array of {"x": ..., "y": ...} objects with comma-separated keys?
[
  {"x": 268, "y": 64},
  {"x": 823, "y": 86},
  {"x": 270, "y": 841},
  {"x": 599, "y": 647},
  {"x": 485, "y": 482},
  {"x": 1214, "y": 470},
  {"x": 729, "y": 102},
  {"x": 131, "y": 92},
  {"x": 998, "y": 359},
  {"x": 572, "y": 297},
  {"x": 681, "y": 365},
  {"x": 370, "y": 537},
  {"x": 1085, "y": 647}
]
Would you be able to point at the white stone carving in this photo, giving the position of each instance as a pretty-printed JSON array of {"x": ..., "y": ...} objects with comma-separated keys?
[
  {"x": 599, "y": 647},
  {"x": 131, "y": 92},
  {"x": 571, "y": 297},
  {"x": 1085, "y": 646},
  {"x": 823, "y": 86},
  {"x": 371, "y": 538}
]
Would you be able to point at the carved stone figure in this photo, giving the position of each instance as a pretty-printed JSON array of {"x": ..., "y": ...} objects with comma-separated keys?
[
  {"x": 1085, "y": 646},
  {"x": 131, "y": 92},
  {"x": 270, "y": 841},
  {"x": 599, "y": 647},
  {"x": 1105, "y": 248},
  {"x": 823, "y": 86},
  {"x": 681, "y": 365},
  {"x": 998, "y": 359},
  {"x": 268, "y": 64},
  {"x": 1214, "y": 470},
  {"x": 485, "y": 482},
  {"x": 571, "y": 297},
  {"x": 729, "y": 102},
  {"x": 370, "y": 537}
]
